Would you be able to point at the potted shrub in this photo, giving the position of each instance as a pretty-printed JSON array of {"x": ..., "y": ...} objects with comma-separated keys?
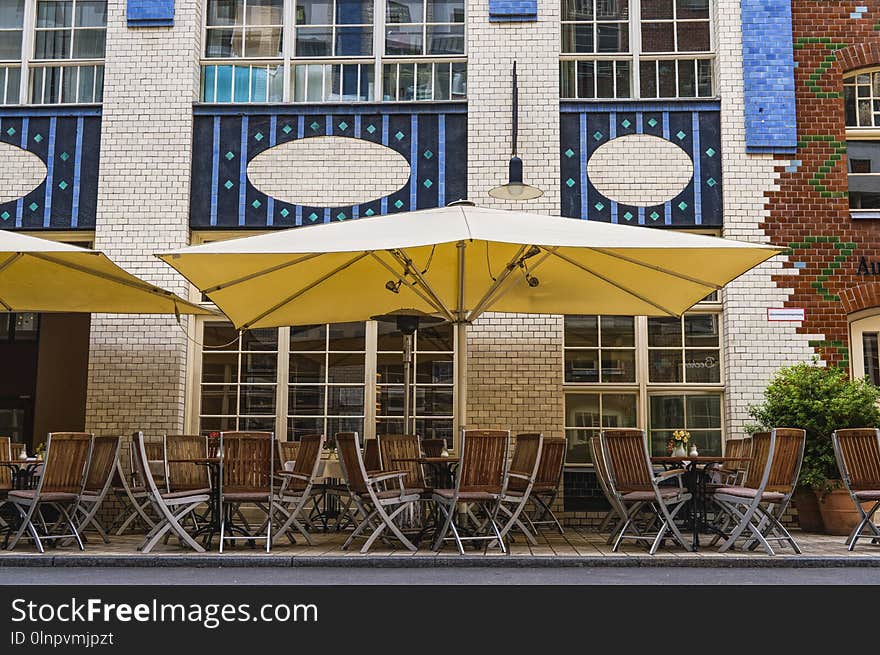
[{"x": 820, "y": 400}]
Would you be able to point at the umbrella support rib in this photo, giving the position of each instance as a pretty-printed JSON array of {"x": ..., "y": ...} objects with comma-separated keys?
[
  {"x": 614, "y": 284},
  {"x": 682, "y": 276},
  {"x": 406, "y": 262},
  {"x": 143, "y": 286},
  {"x": 412, "y": 286},
  {"x": 267, "y": 271},
  {"x": 502, "y": 278},
  {"x": 305, "y": 289}
]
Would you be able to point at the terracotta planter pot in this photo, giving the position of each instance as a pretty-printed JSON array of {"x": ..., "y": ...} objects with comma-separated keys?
[
  {"x": 809, "y": 516},
  {"x": 839, "y": 513}
]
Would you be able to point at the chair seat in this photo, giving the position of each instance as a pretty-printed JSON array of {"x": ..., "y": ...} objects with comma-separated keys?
[
  {"x": 747, "y": 492},
  {"x": 394, "y": 493},
  {"x": 868, "y": 494},
  {"x": 465, "y": 496},
  {"x": 48, "y": 496},
  {"x": 665, "y": 494},
  {"x": 234, "y": 496},
  {"x": 171, "y": 495}
]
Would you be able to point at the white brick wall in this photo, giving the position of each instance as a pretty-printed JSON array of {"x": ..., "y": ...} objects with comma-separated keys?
[
  {"x": 137, "y": 364},
  {"x": 753, "y": 348},
  {"x": 21, "y": 172}
]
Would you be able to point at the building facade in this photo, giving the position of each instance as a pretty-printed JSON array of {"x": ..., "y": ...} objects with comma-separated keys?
[{"x": 139, "y": 126}]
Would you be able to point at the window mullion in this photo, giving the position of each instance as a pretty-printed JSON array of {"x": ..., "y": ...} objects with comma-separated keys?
[
  {"x": 27, "y": 50},
  {"x": 635, "y": 46},
  {"x": 287, "y": 43},
  {"x": 282, "y": 379}
]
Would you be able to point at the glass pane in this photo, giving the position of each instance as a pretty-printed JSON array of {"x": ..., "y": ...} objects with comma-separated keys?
[
  {"x": 871, "y": 355},
  {"x": 314, "y": 42},
  {"x": 701, "y": 330},
  {"x": 667, "y": 412},
  {"x": 445, "y": 11},
  {"x": 223, "y": 43},
  {"x": 299, "y": 427},
  {"x": 12, "y": 13},
  {"x": 578, "y": 451},
  {"x": 865, "y": 113},
  {"x": 618, "y": 10},
  {"x": 346, "y": 368},
  {"x": 259, "y": 368},
  {"x": 276, "y": 83},
  {"x": 648, "y": 81},
  {"x": 406, "y": 82},
  {"x": 685, "y": 9},
  {"x": 424, "y": 81},
  {"x": 345, "y": 424},
  {"x": 257, "y": 399},
  {"x": 435, "y": 429},
  {"x": 225, "y": 12},
  {"x": 314, "y": 12},
  {"x": 88, "y": 44},
  {"x": 258, "y": 84},
  {"x": 586, "y": 83},
  {"x": 434, "y": 369},
  {"x": 704, "y": 77},
  {"x": 10, "y": 45},
  {"x": 708, "y": 441},
  {"x": 618, "y": 365},
  {"x": 220, "y": 367},
  {"x": 693, "y": 37},
  {"x": 53, "y": 44},
  {"x": 664, "y": 332},
  {"x": 604, "y": 79},
  {"x": 347, "y": 336},
  {"x": 389, "y": 368},
  {"x": 577, "y": 38},
  {"x": 69, "y": 84},
  {"x": 567, "y": 88},
  {"x": 354, "y": 12},
  {"x": 623, "y": 81},
  {"x": 702, "y": 366},
  {"x": 658, "y": 37},
  {"x": 446, "y": 40},
  {"x": 389, "y": 426},
  {"x": 54, "y": 14},
  {"x": 618, "y": 331},
  {"x": 665, "y": 366},
  {"x": 86, "y": 85},
  {"x": 577, "y": 9},
  {"x": 666, "y": 78},
  {"x": 405, "y": 11},
  {"x": 263, "y": 42},
  {"x": 219, "y": 400},
  {"x": 262, "y": 424},
  {"x": 13, "y": 80},
  {"x": 582, "y": 331},
  {"x": 619, "y": 410},
  {"x": 220, "y": 335},
  {"x": 307, "y": 337},
  {"x": 687, "y": 79},
  {"x": 581, "y": 365},
  {"x": 433, "y": 401},
  {"x": 582, "y": 410},
  {"x": 217, "y": 425},
  {"x": 91, "y": 13},
  {"x": 354, "y": 41},
  {"x": 703, "y": 411},
  {"x": 389, "y": 400},
  {"x": 441, "y": 81},
  {"x": 656, "y": 9},
  {"x": 612, "y": 37},
  {"x": 303, "y": 399},
  {"x": 242, "y": 83},
  {"x": 388, "y": 338},
  {"x": 224, "y": 83},
  {"x": 403, "y": 41},
  {"x": 345, "y": 401},
  {"x": 265, "y": 12},
  {"x": 459, "y": 80},
  {"x": 307, "y": 367}
]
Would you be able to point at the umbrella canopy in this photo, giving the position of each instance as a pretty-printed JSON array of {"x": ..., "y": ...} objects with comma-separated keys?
[
  {"x": 458, "y": 262},
  {"x": 37, "y": 275}
]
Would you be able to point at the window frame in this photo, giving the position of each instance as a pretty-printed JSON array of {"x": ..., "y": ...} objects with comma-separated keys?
[{"x": 862, "y": 133}]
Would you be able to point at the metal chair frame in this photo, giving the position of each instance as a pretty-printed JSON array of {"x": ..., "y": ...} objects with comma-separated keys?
[
  {"x": 526, "y": 472},
  {"x": 291, "y": 502},
  {"x": 861, "y": 479},
  {"x": 133, "y": 492},
  {"x": 541, "y": 498}
]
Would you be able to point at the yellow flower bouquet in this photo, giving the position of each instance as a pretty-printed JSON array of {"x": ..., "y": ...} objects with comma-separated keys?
[{"x": 680, "y": 440}]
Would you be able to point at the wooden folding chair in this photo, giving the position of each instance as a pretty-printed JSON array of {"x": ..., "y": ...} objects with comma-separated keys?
[
  {"x": 102, "y": 465},
  {"x": 247, "y": 476},
  {"x": 131, "y": 489},
  {"x": 618, "y": 511},
  {"x": 520, "y": 481},
  {"x": 60, "y": 486},
  {"x": 547, "y": 483},
  {"x": 297, "y": 486},
  {"x": 858, "y": 458}
]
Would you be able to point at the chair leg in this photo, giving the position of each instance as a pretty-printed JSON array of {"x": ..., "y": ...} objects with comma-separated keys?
[
  {"x": 27, "y": 524},
  {"x": 866, "y": 521},
  {"x": 441, "y": 534}
]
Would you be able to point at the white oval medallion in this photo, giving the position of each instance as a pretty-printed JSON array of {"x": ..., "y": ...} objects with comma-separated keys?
[
  {"x": 328, "y": 171},
  {"x": 640, "y": 169},
  {"x": 20, "y": 172}
]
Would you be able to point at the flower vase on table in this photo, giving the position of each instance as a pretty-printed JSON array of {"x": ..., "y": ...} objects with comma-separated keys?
[
  {"x": 679, "y": 451},
  {"x": 679, "y": 443}
]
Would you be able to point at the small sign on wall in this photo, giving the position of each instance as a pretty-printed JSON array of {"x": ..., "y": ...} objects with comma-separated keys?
[
  {"x": 150, "y": 13},
  {"x": 786, "y": 314}
]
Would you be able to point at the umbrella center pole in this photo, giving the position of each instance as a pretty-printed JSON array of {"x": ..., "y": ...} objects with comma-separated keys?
[{"x": 407, "y": 382}]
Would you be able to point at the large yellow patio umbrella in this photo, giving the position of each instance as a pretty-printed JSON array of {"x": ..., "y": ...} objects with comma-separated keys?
[
  {"x": 38, "y": 275},
  {"x": 458, "y": 262}
]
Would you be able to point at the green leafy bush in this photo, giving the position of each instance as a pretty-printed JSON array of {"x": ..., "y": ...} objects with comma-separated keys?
[{"x": 820, "y": 400}]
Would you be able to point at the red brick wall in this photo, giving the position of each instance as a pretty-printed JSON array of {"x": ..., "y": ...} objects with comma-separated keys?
[{"x": 810, "y": 213}]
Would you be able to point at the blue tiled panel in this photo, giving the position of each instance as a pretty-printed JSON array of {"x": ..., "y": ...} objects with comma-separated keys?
[
  {"x": 768, "y": 75},
  {"x": 150, "y": 13},
  {"x": 511, "y": 11}
]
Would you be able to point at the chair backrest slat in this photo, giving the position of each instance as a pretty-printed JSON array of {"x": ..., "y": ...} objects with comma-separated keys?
[
  {"x": 307, "y": 458},
  {"x": 247, "y": 461},
  {"x": 352, "y": 461},
  {"x": 433, "y": 447},
  {"x": 16, "y": 449},
  {"x": 483, "y": 461},
  {"x": 526, "y": 452},
  {"x": 67, "y": 457},
  {"x": 738, "y": 448},
  {"x": 776, "y": 460},
  {"x": 626, "y": 456},
  {"x": 858, "y": 457},
  {"x": 5, "y": 471},
  {"x": 372, "y": 459},
  {"x": 396, "y": 447},
  {"x": 186, "y": 476},
  {"x": 287, "y": 452},
  {"x": 552, "y": 462},
  {"x": 102, "y": 464}
]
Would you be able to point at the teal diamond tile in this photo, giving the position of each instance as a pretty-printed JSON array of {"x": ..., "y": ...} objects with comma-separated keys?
[
  {"x": 228, "y": 184},
  {"x": 314, "y": 125},
  {"x": 597, "y": 135},
  {"x": 682, "y": 205},
  {"x": 428, "y": 184},
  {"x": 284, "y": 212},
  {"x": 428, "y": 154},
  {"x": 63, "y": 185},
  {"x": 287, "y": 129},
  {"x": 569, "y": 153},
  {"x": 652, "y": 122},
  {"x": 569, "y": 183},
  {"x": 398, "y": 204},
  {"x": 654, "y": 216},
  {"x": 628, "y": 216},
  {"x": 256, "y": 204},
  {"x": 369, "y": 212},
  {"x": 230, "y": 155},
  {"x": 258, "y": 136},
  {"x": 680, "y": 135},
  {"x": 599, "y": 206},
  {"x": 711, "y": 182},
  {"x": 64, "y": 156},
  {"x": 343, "y": 126},
  {"x": 10, "y": 131},
  {"x": 313, "y": 217},
  {"x": 340, "y": 216},
  {"x": 710, "y": 152},
  {"x": 399, "y": 135},
  {"x": 626, "y": 123},
  {"x": 5, "y": 216},
  {"x": 33, "y": 206},
  {"x": 371, "y": 128},
  {"x": 38, "y": 137}
]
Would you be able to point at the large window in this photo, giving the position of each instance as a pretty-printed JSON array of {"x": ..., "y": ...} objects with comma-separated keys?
[
  {"x": 324, "y": 379},
  {"x": 662, "y": 374},
  {"x": 861, "y": 93},
  {"x": 636, "y": 49},
  {"x": 334, "y": 50},
  {"x": 59, "y": 44}
]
